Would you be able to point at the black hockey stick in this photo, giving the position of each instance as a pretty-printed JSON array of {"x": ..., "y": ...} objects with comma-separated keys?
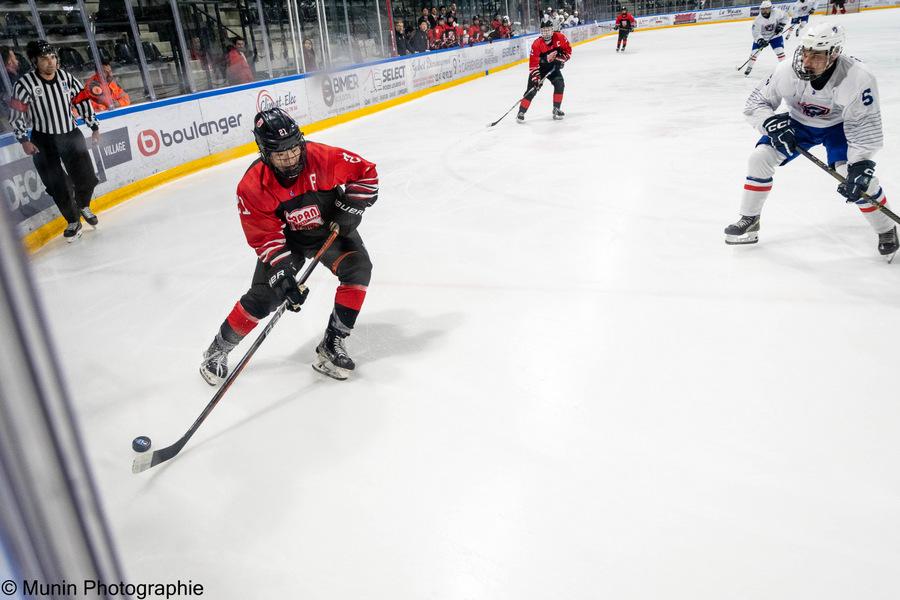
[
  {"x": 891, "y": 215},
  {"x": 147, "y": 460},
  {"x": 519, "y": 101}
]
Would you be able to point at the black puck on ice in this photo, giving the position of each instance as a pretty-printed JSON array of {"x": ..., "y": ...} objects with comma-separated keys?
[{"x": 140, "y": 444}]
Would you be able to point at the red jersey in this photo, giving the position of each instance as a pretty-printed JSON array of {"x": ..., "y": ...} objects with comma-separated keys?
[
  {"x": 625, "y": 22},
  {"x": 273, "y": 215},
  {"x": 558, "y": 46}
]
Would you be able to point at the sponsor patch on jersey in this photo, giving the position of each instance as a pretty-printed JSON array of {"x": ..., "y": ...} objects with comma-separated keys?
[
  {"x": 814, "y": 110},
  {"x": 307, "y": 217}
]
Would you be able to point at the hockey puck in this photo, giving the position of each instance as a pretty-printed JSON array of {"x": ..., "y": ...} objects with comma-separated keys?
[{"x": 140, "y": 444}]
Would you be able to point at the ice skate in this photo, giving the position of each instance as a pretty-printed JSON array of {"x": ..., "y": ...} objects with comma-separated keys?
[
  {"x": 888, "y": 244},
  {"x": 332, "y": 358},
  {"x": 89, "y": 217},
  {"x": 558, "y": 114},
  {"x": 747, "y": 71},
  {"x": 521, "y": 116},
  {"x": 72, "y": 232},
  {"x": 745, "y": 231},
  {"x": 214, "y": 368}
]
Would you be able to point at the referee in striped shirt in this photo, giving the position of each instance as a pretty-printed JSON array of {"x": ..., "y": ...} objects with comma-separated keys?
[{"x": 44, "y": 99}]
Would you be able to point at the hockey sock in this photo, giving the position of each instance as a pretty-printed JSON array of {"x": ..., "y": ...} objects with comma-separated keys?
[
  {"x": 523, "y": 106},
  {"x": 758, "y": 183},
  {"x": 238, "y": 324},
  {"x": 557, "y": 100},
  {"x": 348, "y": 301},
  {"x": 879, "y": 221},
  {"x": 780, "y": 56}
]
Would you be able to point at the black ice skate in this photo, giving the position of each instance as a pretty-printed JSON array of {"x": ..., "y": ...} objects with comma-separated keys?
[
  {"x": 521, "y": 116},
  {"x": 89, "y": 217},
  {"x": 747, "y": 71},
  {"x": 558, "y": 115},
  {"x": 214, "y": 368},
  {"x": 745, "y": 231},
  {"x": 72, "y": 232},
  {"x": 888, "y": 244},
  {"x": 332, "y": 359}
]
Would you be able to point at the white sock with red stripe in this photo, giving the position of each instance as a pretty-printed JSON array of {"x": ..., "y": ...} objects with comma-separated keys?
[{"x": 758, "y": 184}]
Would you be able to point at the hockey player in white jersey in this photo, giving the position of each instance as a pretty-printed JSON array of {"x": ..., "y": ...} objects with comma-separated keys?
[
  {"x": 767, "y": 28},
  {"x": 800, "y": 12},
  {"x": 832, "y": 100}
]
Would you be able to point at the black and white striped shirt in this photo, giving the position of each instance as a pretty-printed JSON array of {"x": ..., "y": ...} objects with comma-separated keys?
[{"x": 47, "y": 105}]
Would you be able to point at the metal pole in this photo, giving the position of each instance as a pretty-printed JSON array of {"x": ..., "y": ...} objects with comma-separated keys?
[
  {"x": 323, "y": 33},
  {"x": 185, "y": 58},
  {"x": 35, "y": 15},
  {"x": 92, "y": 43},
  {"x": 380, "y": 27},
  {"x": 290, "y": 4},
  {"x": 300, "y": 34},
  {"x": 136, "y": 32},
  {"x": 265, "y": 33},
  {"x": 347, "y": 24},
  {"x": 390, "y": 14}
]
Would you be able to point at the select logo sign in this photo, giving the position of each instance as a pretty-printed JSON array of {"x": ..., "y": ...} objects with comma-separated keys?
[{"x": 151, "y": 141}]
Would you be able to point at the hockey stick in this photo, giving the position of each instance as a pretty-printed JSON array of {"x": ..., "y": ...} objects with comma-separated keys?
[
  {"x": 891, "y": 215},
  {"x": 147, "y": 460},
  {"x": 519, "y": 101}
]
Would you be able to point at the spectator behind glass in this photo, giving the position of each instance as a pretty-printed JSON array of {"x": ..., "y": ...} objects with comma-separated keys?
[
  {"x": 425, "y": 16},
  {"x": 433, "y": 17},
  {"x": 400, "y": 37},
  {"x": 237, "y": 69},
  {"x": 11, "y": 64},
  {"x": 418, "y": 41},
  {"x": 309, "y": 56},
  {"x": 450, "y": 35},
  {"x": 109, "y": 96},
  {"x": 475, "y": 33},
  {"x": 436, "y": 35}
]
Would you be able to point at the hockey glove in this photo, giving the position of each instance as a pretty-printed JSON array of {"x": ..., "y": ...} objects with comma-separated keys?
[
  {"x": 778, "y": 29},
  {"x": 561, "y": 60},
  {"x": 548, "y": 57},
  {"x": 795, "y": 20},
  {"x": 535, "y": 77},
  {"x": 761, "y": 43},
  {"x": 859, "y": 176},
  {"x": 283, "y": 283},
  {"x": 347, "y": 214},
  {"x": 781, "y": 134}
]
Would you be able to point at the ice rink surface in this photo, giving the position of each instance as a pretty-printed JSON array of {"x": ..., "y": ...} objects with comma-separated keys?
[{"x": 568, "y": 385}]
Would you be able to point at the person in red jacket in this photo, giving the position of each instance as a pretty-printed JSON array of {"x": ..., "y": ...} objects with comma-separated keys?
[
  {"x": 436, "y": 35},
  {"x": 624, "y": 25},
  {"x": 475, "y": 34},
  {"x": 108, "y": 96},
  {"x": 549, "y": 54},
  {"x": 288, "y": 202},
  {"x": 237, "y": 69}
]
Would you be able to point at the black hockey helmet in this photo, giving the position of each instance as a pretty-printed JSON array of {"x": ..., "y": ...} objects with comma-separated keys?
[
  {"x": 36, "y": 48},
  {"x": 547, "y": 28},
  {"x": 276, "y": 131}
]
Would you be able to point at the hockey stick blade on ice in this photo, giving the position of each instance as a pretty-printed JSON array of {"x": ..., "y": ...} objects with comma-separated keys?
[
  {"x": 148, "y": 460},
  {"x": 519, "y": 101}
]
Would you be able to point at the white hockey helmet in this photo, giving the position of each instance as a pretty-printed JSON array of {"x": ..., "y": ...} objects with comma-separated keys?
[
  {"x": 765, "y": 5},
  {"x": 822, "y": 37}
]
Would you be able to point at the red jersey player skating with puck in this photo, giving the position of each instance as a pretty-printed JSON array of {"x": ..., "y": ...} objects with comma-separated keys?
[
  {"x": 549, "y": 54},
  {"x": 287, "y": 201}
]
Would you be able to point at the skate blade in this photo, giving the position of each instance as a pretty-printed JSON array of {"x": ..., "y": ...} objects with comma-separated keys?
[
  {"x": 69, "y": 240},
  {"x": 210, "y": 378},
  {"x": 889, "y": 257},
  {"x": 555, "y": 118},
  {"x": 737, "y": 240},
  {"x": 326, "y": 367}
]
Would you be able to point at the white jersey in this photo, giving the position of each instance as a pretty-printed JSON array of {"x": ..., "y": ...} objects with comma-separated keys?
[
  {"x": 850, "y": 97},
  {"x": 803, "y": 9},
  {"x": 765, "y": 28}
]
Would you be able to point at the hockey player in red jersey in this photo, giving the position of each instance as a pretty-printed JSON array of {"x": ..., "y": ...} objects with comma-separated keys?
[
  {"x": 549, "y": 54},
  {"x": 286, "y": 201},
  {"x": 625, "y": 24}
]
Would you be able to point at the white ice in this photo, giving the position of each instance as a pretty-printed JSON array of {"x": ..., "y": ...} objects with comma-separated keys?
[{"x": 568, "y": 385}]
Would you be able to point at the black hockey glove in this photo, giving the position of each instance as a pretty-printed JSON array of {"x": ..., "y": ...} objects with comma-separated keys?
[
  {"x": 778, "y": 29},
  {"x": 761, "y": 43},
  {"x": 535, "y": 77},
  {"x": 859, "y": 176},
  {"x": 347, "y": 215},
  {"x": 283, "y": 282},
  {"x": 781, "y": 134}
]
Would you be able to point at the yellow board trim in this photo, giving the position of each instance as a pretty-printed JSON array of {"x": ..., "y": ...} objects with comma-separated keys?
[{"x": 43, "y": 234}]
